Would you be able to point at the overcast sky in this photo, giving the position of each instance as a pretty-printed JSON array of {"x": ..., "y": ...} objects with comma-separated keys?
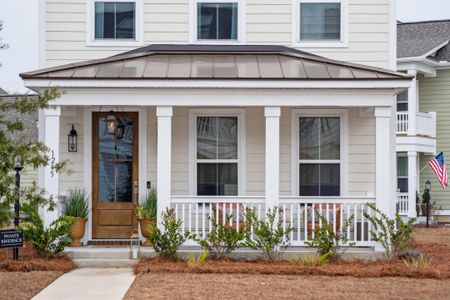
[{"x": 422, "y": 10}]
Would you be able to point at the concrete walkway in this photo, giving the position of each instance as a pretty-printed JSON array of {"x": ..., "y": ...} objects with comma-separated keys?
[{"x": 90, "y": 283}]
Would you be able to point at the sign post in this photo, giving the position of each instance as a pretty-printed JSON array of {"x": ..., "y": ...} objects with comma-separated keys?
[{"x": 17, "y": 167}]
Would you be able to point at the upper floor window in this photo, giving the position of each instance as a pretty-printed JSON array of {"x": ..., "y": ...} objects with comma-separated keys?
[
  {"x": 320, "y": 23},
  {"x": 115, "y": 20},
  {"x": 217, "y": 21},
  {"x": 114, "y": 23},
  {"x": 402, "y": 101}
]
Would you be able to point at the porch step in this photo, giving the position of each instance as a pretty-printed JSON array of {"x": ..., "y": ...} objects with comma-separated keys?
[
  {"x": 104, "y": 263},
  {"x": 95, "y": 252}
]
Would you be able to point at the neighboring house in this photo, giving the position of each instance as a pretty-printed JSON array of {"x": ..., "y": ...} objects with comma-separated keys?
[
  {"x": 30, "y": 131},
  {"x": 235, "y": 119},
  {"x": 423, "y": 112}
]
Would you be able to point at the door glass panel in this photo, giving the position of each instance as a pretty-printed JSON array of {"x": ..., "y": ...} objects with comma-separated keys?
[{"x": 115, "y": 163}]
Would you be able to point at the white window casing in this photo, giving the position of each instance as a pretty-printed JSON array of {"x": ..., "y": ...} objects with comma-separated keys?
[
  {"x": 241, "y": 23},
  {"x": 296, "y": 42},
  {"x": 295, "y": 132},
  {"x": 240, "y": 114},
  {"x": 139, "y": 26}
]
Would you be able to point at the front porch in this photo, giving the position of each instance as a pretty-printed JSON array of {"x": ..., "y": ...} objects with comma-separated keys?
[{"x": 217, "y": 133}]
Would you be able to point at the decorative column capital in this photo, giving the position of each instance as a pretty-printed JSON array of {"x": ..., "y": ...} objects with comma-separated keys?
[{"x": 272, "y": 111}]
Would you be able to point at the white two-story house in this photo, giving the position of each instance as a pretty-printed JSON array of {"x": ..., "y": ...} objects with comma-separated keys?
[{"x": 223, "y": 105}]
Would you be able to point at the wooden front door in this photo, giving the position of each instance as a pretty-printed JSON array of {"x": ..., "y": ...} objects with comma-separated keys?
[{"x": 114, "y": 177}]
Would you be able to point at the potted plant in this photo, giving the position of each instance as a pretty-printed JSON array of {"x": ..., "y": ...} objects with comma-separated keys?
[
  {"x": 146, "y": 214},
  {"x": 76, "y": 205}
]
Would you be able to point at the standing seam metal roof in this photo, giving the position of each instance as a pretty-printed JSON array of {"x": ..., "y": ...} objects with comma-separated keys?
[{"x": 215, "y": 62}]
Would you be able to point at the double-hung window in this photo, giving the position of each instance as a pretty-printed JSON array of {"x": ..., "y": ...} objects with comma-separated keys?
[
  {"x": 402, "y": 172},
  {"x": 217, "y": 21},
  {"x": 216, "y": 155},
  {"x": 320, "y": 22},
  {"x": 114, "y": 22},
  {"x": 319, "y": 155},
  {"x": 402, "y": 101}
]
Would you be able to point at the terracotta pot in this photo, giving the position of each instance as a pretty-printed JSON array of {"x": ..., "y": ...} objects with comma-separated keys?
[
  {"x": 76, "y": 231},
  {"x": 147, "y": 226}
]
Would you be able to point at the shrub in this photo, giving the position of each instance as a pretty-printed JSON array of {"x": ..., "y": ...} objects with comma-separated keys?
[
  {"x": 394, "y": 235},
  {"x": 77, "y": 204},
  {"x": 50, "y": 241},
  {"x": 167, "y": 242},
  {"x": 314, "y": 261},
  {"x": 269, "y": 235},
  {"x": 193, "y": 262},
  {"x": 326, "y": 240},
  {"x": 147, "y": 209},
  {"x": 223, "y": 238}
]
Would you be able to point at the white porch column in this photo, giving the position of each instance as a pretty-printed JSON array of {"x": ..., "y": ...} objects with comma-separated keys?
[
  {"x": 272, "y": 115},
  {"x": 412, "y": 104},
  {"x": 385, "y": 186},
  {"x": 51, "y": 178},
  {"x": 164, "y": 155},
  {"x": 412, "y": 184}
]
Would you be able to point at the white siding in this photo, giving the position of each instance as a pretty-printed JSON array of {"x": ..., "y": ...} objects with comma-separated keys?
[
  {"x": 361, "y": 151},
  {"x": 267, "y": 22}
]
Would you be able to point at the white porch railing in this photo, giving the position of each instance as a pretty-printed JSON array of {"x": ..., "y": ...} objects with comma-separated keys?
[
  {"x": 425, "y": 123},
  {"x": 196, "y": 213},
  {"x": 402, "y": 122},
  {"x": 402, "y": 203}
]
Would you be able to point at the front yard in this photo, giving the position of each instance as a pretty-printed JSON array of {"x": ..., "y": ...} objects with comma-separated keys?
[
  {"x": 24, "y": 285},
  {"x": 231, "y": 279}
]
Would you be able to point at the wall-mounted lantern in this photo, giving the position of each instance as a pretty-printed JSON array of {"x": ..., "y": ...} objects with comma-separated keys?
[
  {"x": 72, "y": 140},
  {"x": 111, "y": 123}
]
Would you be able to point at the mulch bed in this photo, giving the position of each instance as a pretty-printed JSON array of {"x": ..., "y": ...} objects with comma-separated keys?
[
  {"x": 24, "y": 285},
  {"x": 30, "y": 261},
  {"x": 437, "y": 267}
]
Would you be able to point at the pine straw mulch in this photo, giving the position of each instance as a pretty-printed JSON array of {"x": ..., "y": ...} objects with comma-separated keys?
[
  {"x": 438, "y": 266},
  {"x": 24, "y": 285},
  {"x": 30, "y": 261}
]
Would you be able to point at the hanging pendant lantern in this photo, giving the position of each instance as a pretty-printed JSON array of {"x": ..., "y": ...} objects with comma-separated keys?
[
  {"x": 111, "y": 123},
  {"x": 72, "y": 140}
]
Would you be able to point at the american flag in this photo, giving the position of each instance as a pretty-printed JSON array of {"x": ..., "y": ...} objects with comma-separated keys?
[{"x": 438, "y": 167}]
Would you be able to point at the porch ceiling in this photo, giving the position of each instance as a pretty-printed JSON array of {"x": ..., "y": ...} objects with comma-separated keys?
[{"x": 175, "y": 62}]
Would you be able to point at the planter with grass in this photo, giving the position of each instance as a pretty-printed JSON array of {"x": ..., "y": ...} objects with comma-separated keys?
[
  {"x": 76, "y": 205},
  {"x": 146, "y": 215}
]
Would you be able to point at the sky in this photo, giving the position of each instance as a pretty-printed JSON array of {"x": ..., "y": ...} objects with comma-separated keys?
[{"x": 422, "y": 10}]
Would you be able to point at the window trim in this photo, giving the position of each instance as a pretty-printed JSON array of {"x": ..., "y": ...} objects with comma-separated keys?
[
  {"x": 295, "y": 151},
  {"x": 90, "y": 26},
  {"x": 241, "y": 32},
  {"x": 193, "y": 114},
  {"x": 296, "y": 42}
]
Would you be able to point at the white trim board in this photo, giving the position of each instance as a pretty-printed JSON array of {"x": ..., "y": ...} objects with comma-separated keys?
[
  {"x": 216, "y": 98},
  {"x": 87, "y": 155},
  {"x": 222, "y": 84},
  {"x": 241, "y": 161},
  {"x": 344, "y": 140}
]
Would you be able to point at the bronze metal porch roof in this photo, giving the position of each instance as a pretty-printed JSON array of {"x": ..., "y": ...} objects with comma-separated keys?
[{"x": 215, "y": 62}]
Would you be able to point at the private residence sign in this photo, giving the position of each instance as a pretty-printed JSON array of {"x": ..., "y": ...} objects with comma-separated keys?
[{"x": 11, "y": 239}]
